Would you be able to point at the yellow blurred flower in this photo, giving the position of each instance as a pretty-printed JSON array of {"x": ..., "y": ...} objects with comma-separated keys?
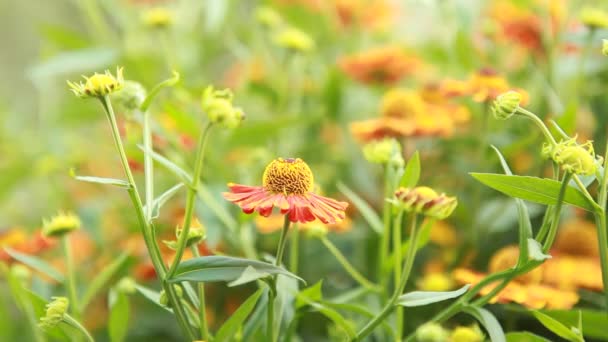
[
  {"x": 435, "y": 282},
  {"x": 466, "y": 334},
  {"x": 594, "y": 18},
  {"x": 577, "y": 237},
  {"x": 506, "y": 258},
  {"x": 274, "y": 223},
  {"x": 384, "y": 65},
  {"x": 483, "y": 86},
  {"x": 570, "y": 273},
  {"x": 443, "y": 234},
  {"x": 295, "y": 40},
  {"x": 158, "y": 17},
  {"x": 518, "y": 24},
  {"x": 60, "y": 224}
]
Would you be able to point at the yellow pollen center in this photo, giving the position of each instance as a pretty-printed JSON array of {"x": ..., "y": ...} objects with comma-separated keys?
[
  {"x": 100, "y": 82},
  {"x": 288, "y": 176}
]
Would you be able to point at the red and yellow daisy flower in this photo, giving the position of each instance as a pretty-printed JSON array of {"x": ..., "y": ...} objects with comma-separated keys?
[
  {"x": 384, "y": 65},
  {"x": 288, "y": 185}
]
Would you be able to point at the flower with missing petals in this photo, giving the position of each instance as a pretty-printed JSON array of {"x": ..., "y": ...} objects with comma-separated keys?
[
  {"x": 573, "y": 157},
  {"x": 424, "y": 200},
  {"x": 98, "y": 85},
  {"x": 288, "y": 185}
]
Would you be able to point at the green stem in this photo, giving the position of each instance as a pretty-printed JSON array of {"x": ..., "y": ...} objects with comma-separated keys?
[
  {"x": 588, "y": 197},
  {"x": 407, "y": 267},
  {"x": 74, "y": 323},
  {"x": 294, "y": 251},
  {"x": 397, "y": 266},
  {"x": 153, "y": 250},
  {"x": 350, "y": 269},
  {"x": 270, "y": 333},
  {"x": 600, "y": 219},
  {"x": 539, "y": 123},
  {"x": 202, "y": 314},
  {"x": 148, "y": 166},
  {"x": 556, "y": 213},
  {"x": 190, "y": 200},
  {"x": 71, "y": 276},
  {"x": 386, "y": 219}
]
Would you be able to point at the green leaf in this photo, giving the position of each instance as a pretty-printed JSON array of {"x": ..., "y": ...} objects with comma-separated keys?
[
  {"x": 411, "y": 174},
  {"x": 557, "y": 327},
  {"x": 533, "y": 189},
  {"x": 100, "y": 180},
  {"x": 102, "y": 279},
  {"x": 312, "y": 293},
  {"x": 151, "y": 295},
  {"x": 36, "y": 263},
  {"x": 169, "y": 165},
  {"x": 224, "y": 268},
  {"x": 366, "y": 211},
  {"x": 420, "y": 298},
  {"x": 166, "y": 83},
  {"x": 489, "y": 322},
  {"x": 525, "y": 227},
  {"x": 333, "y": 315},
  {"x": 236, "y": 320},
  {"x": 524, "y": 337},
  {"x": 75, "y": 61},
  {"x": 594, "y": 322},
  {"x": 118, "y": 322},
  {"x": 162, "y": 199},
  {"x": 536, "y": 250},
  {"x": 249, "y": 274}
]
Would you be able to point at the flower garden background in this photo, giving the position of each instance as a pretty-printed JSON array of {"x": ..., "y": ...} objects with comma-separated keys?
[{"x": 304, "y": 170}]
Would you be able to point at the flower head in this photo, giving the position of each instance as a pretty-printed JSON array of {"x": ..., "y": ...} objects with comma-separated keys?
[
  {"x": 424, "y": 200},
  {"x": 506, "y": 105},
  {"x": 60, "y": 224},
  {"x": 288, "y": 185},
  {"x": 594, "y": 18},
  {"x": 55, "y": 311},
  {"x": 98, "y": 85},
  {"x": 295, "y": 40},
  {"x": 385, "y": 65},
  {"x": 431, "y": 332},
  {"x": 158, "y": 17},
  {"x": 219, "y": 108},
  {"x": 573, "y": 157}
]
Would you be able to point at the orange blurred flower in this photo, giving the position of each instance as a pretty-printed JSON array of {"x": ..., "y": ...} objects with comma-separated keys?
[
  {"x": 518, "y": 24},
  {"x": 407, "y": 113},
  {"x": 18, "y": 240},
  {"x": 483, "y": 86},
  {"x": 384, "y": 65},
  {"x": 577, "y": 237},
  {"x": 375, "y": 14}
]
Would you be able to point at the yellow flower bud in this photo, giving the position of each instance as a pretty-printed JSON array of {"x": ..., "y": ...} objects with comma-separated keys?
[
  {"x": 196, "y": 233},
  {"x": 295, "y": 40},
  {"x": 506, "y": 105},
  {"x": 431, "y": 332},
  {"x": 131, "y": 96},
  {"x": 467, "y": 334},
  {"x": 383, "y": 152},
  {"x": 594, "y": 18},
  {"x": 157, "y": 17},
  {"x": 98, "y": 85},
  {"x": 424, "y": 200},
  {"x": 268, "y": 17},
  {"x": 55, "y": 311},
  {"x": 219, "y": 108},
  {"x": 126, "y": 285},
  {"x": 573, "y": 157},
  {"x": 60, "y": 225}
]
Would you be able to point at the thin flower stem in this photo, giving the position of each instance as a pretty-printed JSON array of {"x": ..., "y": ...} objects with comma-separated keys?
[
  {"x": 539, "y": 123},
  {"x": 397, "y": 266},
  {"x": 407, "y": 267},
  {"x": 190, "y": 200},
  {"x": 556, "y": 213},
  {"x": 588, "y": 197},
  {"x": 71, "y": 276},
  {"x": 294, "y": 251},
  {"x": 202, "y": 313},
  {"x": 600, "y": 219},
  {"x": 153, "y": 250},
  {"x": 148, "y": 166},
  {"x": 270, "y": 333},
  {"x": 74, "y": 323},
  {"x": 386, "y": 219},
  {"x": 350, "y": 269}
]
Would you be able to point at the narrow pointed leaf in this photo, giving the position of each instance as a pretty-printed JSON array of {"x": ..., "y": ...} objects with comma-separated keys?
[
  {"x": 162, "y": 199},
  {"x": 557, "y": 327},
  {"x": 37, "y": 264},
  {"x": 236, "y": 320},
  {"x": 100, "y": 180},
  {"x": 489, "y": 322},
  {"x": 420, "y": 298},
  {"x": 411, "y": 174}
]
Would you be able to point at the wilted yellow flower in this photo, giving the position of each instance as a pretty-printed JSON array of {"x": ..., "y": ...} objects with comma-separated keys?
[
  {"x": 295, "y": 40},
  {"x": 60, "y": 224},
  {"x": 424, "y": 200},
  {"x": 55, "y": 312},
  {"x": 594, "y": 18},
  {"x": 158, "y": 17},
  {"x": 98, "y": 85}
]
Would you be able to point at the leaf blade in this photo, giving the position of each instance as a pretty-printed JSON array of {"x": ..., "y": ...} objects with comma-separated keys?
[
  {"x": 230, "y": 327},
  {"x": 37, "y": 264},
  {"x": 420, "y": 298}
]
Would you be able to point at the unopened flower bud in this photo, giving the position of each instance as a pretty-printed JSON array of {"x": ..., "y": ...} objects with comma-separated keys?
[
  {"x": 131, "y": 96},
  {"x": 506, "y": 105},
  {"x": 268, "y": 17},
  {"x": 295, "y": 40},
  {"x": 594, "y": 18},
  {"x": 431, "y": 332},
  {"x": 98, "y": 85},
  {"x": 219, "y": 108},
  {"x": 467, "y": 334},
  {"x": 196, "y": 233},
  {"x": 60, "y": 224},
  {"x": 55, "y": 312},
  {"x": 158, "y": 17},
  {"x": 385, "y": 151},
  {"x": 573, "y": 157},
  {"x": 424, "y": 200},
  {"x": 127, "y": 285}
]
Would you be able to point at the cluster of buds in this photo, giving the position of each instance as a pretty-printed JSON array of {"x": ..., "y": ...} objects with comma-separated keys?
[
  {"x": 506, "y": 105},
  {"x": 196, "y": 234},
  {"x": 60, "y": 225},
  {"x": 219, "y": 108},
  {"x": 158, "y": 18},
  {"x": 594, "y": 18},
  {"x": 55, "y": 312},
  {"x": 424, "y": 200},
  {"x": 98, "y": 85},
  {"x": 573, "y": 157},
  {"x": 385, "y": 151}
]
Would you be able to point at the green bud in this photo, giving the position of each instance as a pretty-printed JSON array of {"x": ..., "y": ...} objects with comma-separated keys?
[
  {"x": 431, "y": 332},
  {"x": 385, "y": 151},
  {"x": 196, "y": 234},
  {"x": 127, "y": 285},
  {"x": 131, "y": 96},
  {"x": 506, "y": 105},
  {"x": 164, "y": 301},
  {"x": 55, "y": 312},
  {"x": 424, "y": 200},
  {"x": 219, "y": 108},
  {"x": 60, "y": 225},
  {"x": 605, "y": 47}
]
